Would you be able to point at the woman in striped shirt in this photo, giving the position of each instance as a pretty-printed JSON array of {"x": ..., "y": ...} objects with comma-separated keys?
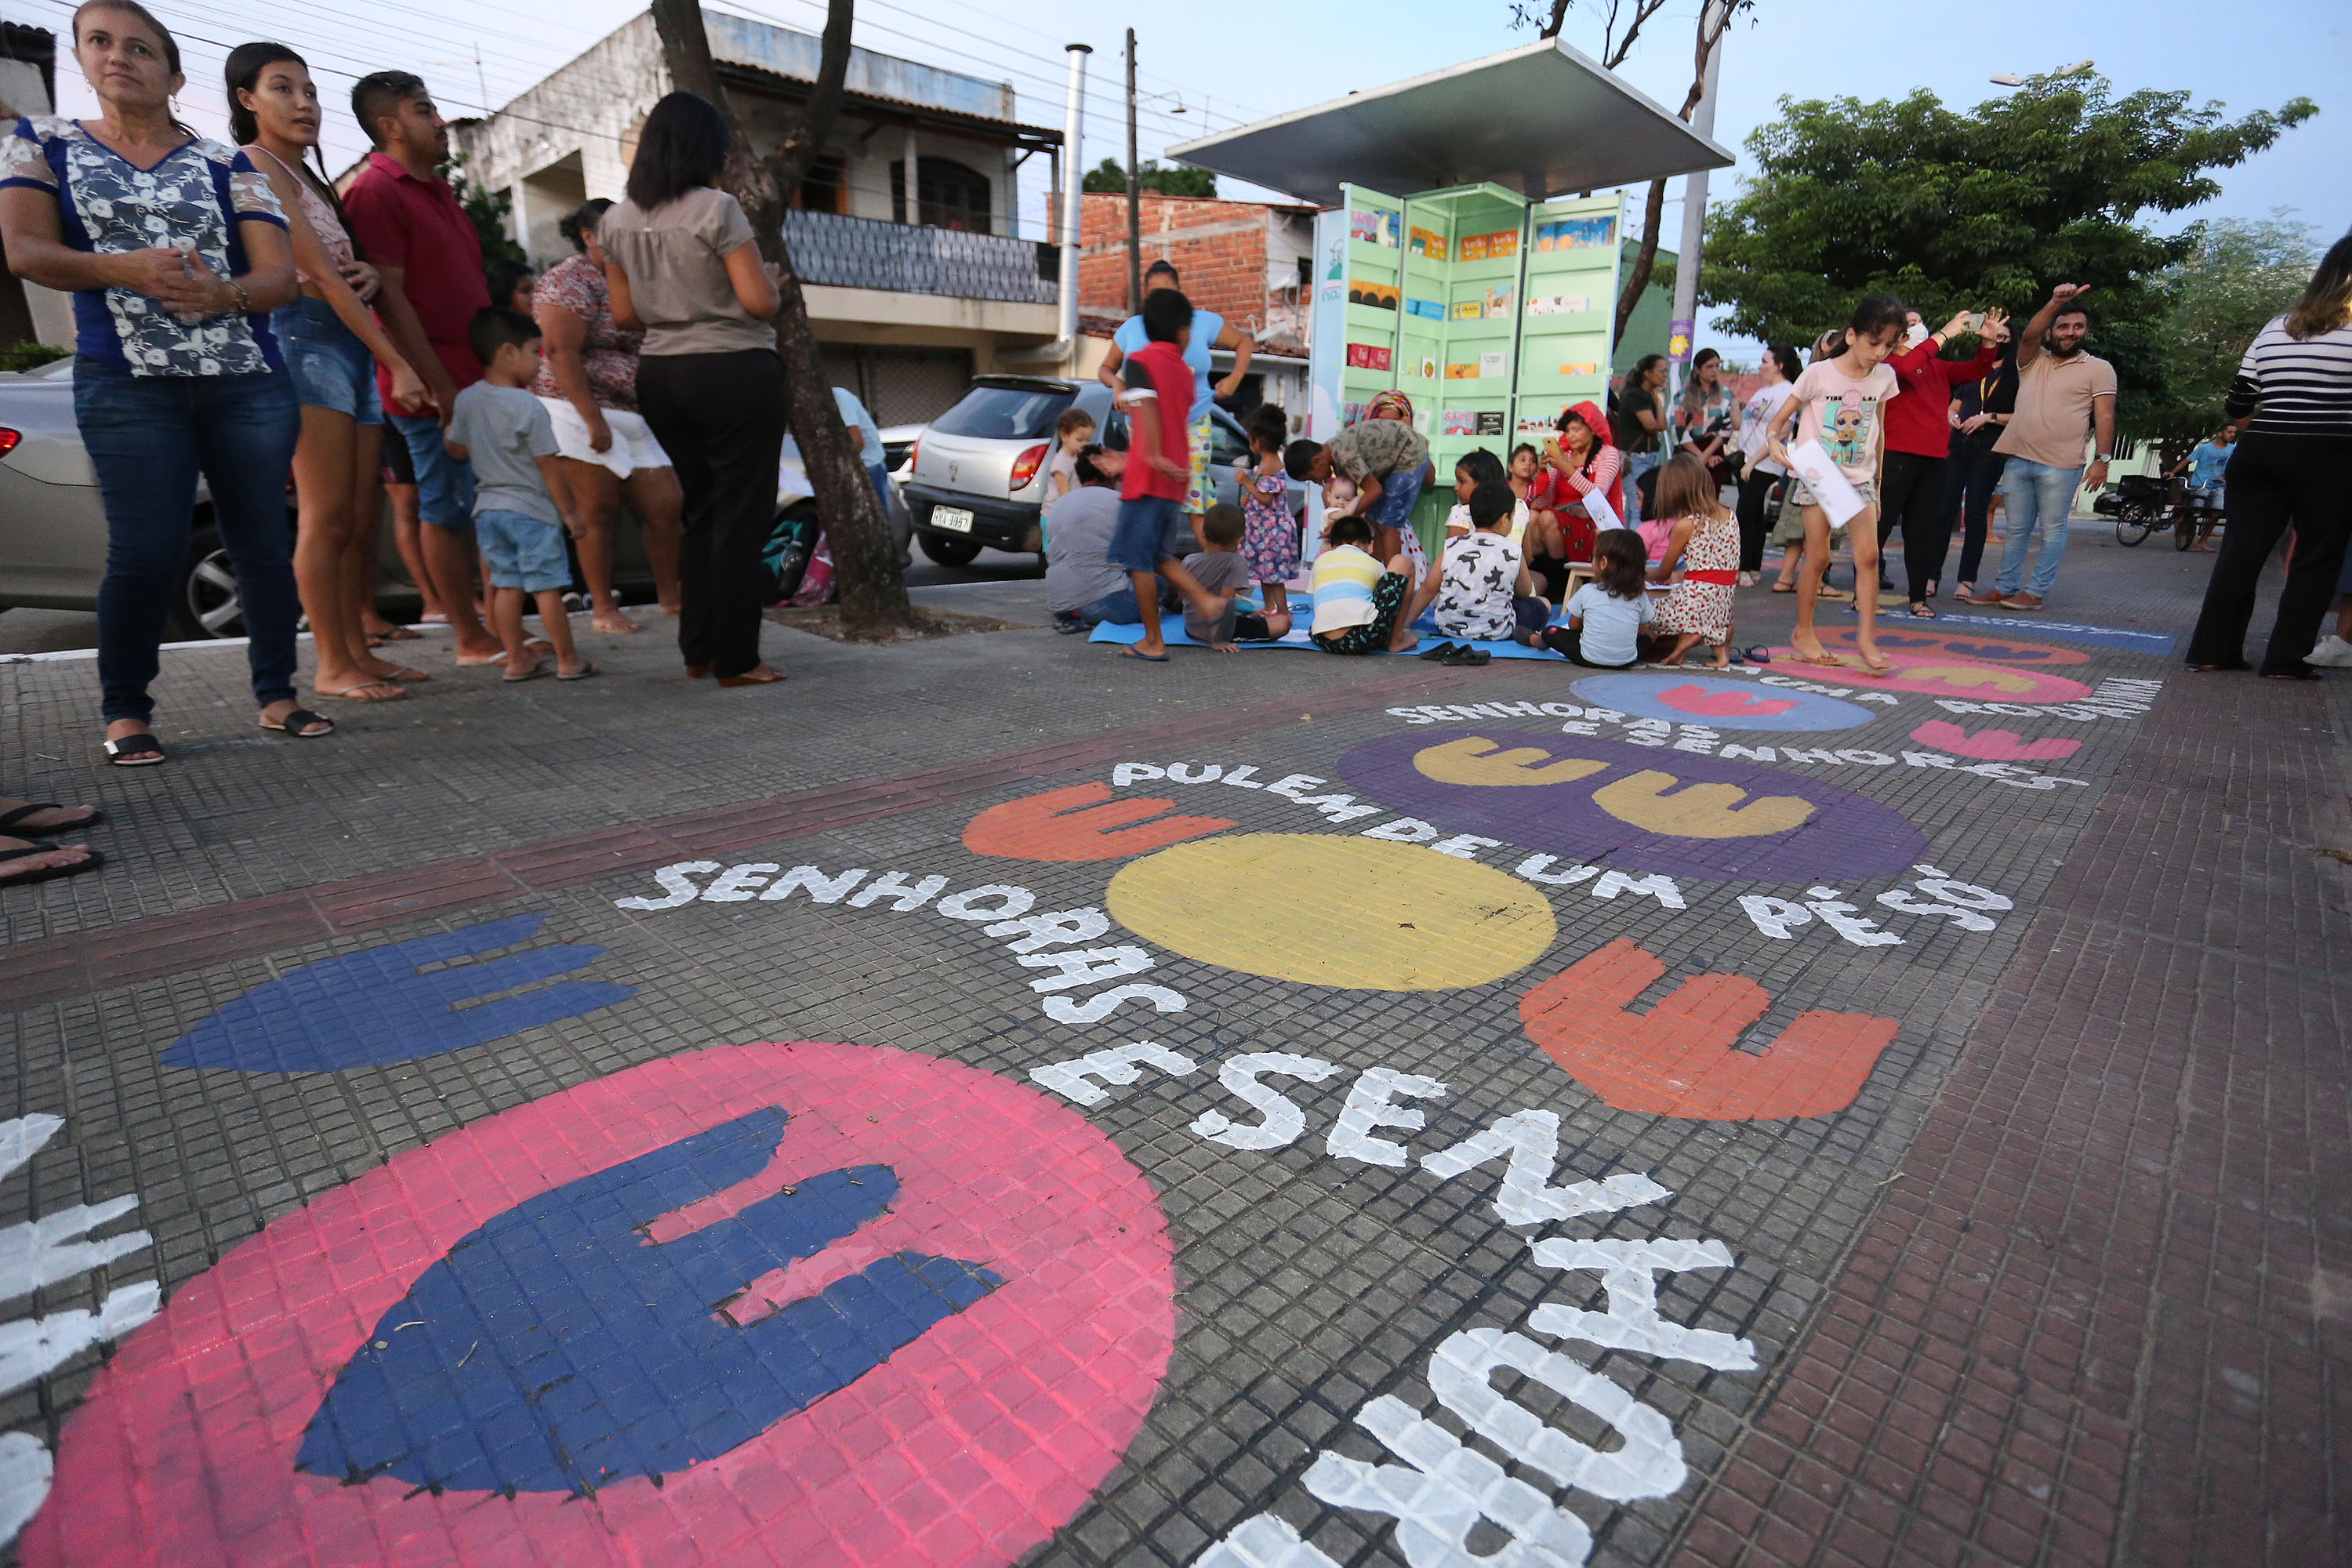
[{"x": 2293, "y": 468}]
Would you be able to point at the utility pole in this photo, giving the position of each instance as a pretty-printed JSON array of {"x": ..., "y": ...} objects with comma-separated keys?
[
  {"x": 1073, "y": 179},
  {"x": 1685, "y": 320},
  {"x": 1134, "y": 194}
]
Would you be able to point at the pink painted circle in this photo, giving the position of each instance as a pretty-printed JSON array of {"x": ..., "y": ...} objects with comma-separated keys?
[
  {"x": 968, "y": 1447},
  {"x": 1938, "y": 675},
  {"x": 1959, "y": 645}
]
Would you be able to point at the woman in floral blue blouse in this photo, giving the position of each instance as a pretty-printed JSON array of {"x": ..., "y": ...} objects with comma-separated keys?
[{"x": 176, "y": 253}]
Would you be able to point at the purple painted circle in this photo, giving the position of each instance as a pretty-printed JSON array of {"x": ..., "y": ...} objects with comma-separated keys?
[
  {"x": 1719, "y": 703},
  {"x": 1658, "y": 823}
]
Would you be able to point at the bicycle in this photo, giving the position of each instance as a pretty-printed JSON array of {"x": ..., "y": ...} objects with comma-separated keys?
[
  {"x": 2193, "y": 507},
  {"x": 2135, "y": 503}
]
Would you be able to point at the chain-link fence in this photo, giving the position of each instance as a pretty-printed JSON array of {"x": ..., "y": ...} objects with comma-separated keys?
[{"x": 865, "y": 253}]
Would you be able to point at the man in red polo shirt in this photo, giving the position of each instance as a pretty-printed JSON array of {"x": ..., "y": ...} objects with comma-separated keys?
[{"x": 411, "y": 228}]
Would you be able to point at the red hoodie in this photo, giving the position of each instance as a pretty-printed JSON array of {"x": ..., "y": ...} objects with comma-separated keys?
[{"x": 1917, "y": 421}]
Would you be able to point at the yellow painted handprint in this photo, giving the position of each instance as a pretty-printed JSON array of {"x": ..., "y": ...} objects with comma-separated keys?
[
  {"x": 1699, "y": 810},
  {"x": 1473, "y": 760}
]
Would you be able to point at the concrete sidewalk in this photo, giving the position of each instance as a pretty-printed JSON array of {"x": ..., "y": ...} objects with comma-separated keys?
[{"x": 991, "y": 1101}]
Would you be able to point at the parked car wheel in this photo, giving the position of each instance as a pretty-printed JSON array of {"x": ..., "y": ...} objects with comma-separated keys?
[
  {"x": 205, "y": 600},
  {"x": 949, "y": 552}
]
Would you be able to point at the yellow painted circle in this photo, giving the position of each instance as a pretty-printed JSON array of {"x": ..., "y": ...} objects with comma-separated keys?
[{"x": 1326, "y": 910}]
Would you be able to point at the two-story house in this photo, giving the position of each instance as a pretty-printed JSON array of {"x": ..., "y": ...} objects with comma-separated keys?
[{"x": 909, "y": 300}]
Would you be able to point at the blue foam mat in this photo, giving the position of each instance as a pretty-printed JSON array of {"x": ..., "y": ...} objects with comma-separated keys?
[{"x": 1302, "y": 610}]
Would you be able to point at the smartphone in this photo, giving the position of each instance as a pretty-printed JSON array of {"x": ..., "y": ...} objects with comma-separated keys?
[{"x": 1976, "y": 320}]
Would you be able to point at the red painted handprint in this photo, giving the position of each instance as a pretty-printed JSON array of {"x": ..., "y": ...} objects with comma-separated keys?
[
  {"x": 1082, "y": 823},
  {"x": 1677, "y": 1058}
]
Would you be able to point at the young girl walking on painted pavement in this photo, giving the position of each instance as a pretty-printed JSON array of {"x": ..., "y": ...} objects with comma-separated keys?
[
  {"x": 1605, "y": 616},
  {"x": 1706, "y": 539},
  {"x": 1840, "y": 403},
  {"x": 1270, "y": 533}
]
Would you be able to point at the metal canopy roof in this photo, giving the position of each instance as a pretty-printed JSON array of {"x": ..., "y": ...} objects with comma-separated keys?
[{"x": 1542, "y": 119}]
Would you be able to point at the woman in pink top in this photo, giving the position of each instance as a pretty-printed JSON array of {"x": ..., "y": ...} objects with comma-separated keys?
[{"x": 331, "y": 343}]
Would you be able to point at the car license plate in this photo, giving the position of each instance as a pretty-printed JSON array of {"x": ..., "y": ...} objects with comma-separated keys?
[{"x": 953, "y": 519}]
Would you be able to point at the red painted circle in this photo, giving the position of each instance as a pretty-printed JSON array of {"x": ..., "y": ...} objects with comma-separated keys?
[{"x": 966, "y": 1448}]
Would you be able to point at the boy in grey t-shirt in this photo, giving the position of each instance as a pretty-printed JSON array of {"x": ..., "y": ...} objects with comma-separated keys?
[
  {"x": 1223, "y": 572},
  {"x": 521, "y": 503}
]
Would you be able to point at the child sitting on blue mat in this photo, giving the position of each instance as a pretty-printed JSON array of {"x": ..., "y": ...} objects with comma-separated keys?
[
  {"x": 1356, "y": 603},
  {"x": 1482, "y": 588},
  {"x": 1606, "y": 616},
  {"x": 1222, "y": 570}
]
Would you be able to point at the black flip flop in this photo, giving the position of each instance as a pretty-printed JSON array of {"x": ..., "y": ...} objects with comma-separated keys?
[
  {"x": 1440, "y": 651},
  {"x": 90, "y": 862},
  {"x": 141, "y": 750},
  {"x": 13, "y": 824},
  {"x": 298, "y": 724},
  {"x": 1757, "y": 653},
  {"x": 1146, "y": 657}
]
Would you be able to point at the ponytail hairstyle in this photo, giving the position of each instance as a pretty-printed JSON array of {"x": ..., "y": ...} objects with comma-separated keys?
[
  {"x": 2327, "y": 303},
  {"x": 1875, "y": 314},
  {"x": 146, "y": 19},
  {"x": 241, "y": 73}
]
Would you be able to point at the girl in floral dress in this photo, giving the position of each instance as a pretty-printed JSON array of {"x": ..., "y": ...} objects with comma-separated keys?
[
  {"x": 1270, "y": 533},
  {"x": 1705, "y": 540}
]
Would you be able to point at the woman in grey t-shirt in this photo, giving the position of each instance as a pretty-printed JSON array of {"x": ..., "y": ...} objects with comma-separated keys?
[{"x": 684, "y": 269}]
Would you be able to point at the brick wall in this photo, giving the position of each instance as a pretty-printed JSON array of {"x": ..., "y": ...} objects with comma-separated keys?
[{"x": 1218, "y": 249}]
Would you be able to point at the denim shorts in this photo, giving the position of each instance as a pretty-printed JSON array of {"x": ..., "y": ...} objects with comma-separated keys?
[
  {"x": 524, "y": 551},
  {"x": 330, "y": 366},
  {"x": 1144, "y": 534},
  {"x": 444, "y": 487}
]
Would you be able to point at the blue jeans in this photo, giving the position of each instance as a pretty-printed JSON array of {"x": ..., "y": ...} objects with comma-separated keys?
[
  {"x": 149, "y": 437},
  {"x": 2037, "y": 499},
  {"x": 444, "y": 487},
  {"x": 1117, "y": 608}
]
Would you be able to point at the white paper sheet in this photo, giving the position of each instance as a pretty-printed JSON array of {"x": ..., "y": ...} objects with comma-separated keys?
[{"x": 1832, "y": 490}]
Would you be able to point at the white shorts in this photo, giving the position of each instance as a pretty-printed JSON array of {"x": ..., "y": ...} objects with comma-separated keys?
[{"x": 633, "y": 446}]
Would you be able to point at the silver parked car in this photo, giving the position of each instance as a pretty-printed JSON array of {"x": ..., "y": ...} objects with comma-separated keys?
[
  {"x": 53, "y": 527},
  {"x": 977, "y": 473}
]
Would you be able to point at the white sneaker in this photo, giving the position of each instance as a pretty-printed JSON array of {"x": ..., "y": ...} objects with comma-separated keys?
[{"x": 2330, "y": 652}]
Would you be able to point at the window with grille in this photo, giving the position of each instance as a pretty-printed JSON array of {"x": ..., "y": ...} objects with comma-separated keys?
[{"x": 949, "y": 196}]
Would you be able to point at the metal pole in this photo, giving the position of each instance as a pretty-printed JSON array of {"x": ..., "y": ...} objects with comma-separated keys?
[
  {"x": 1687, "y": 263},
  {"x": 1072, "y": 178},
  {"x": 1134, "y": 194}
]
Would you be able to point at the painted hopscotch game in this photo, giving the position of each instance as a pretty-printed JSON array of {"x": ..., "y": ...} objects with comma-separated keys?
[{"x": 1403, "y": 1135}]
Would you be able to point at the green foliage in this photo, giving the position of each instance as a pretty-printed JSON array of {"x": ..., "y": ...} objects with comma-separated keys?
[
  {"x": 1174, "y": 180},
  {"x": 1992, "y": 205},
  {"x": 30, "y": 356},
  {"x": 2235, "y": 278},
  {"x": 488, "y": 210}
]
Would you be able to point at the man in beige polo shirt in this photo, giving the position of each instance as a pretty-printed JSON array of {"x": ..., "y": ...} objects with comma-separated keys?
[{"x": 2063, "y": 396}]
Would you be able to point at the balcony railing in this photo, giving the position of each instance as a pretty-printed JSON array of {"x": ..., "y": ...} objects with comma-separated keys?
[{"x": 906, "y": 258}]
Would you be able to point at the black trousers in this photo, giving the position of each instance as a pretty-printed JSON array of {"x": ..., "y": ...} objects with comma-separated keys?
[
  {"x": 1911, "y": 497},
  {"x": 720, "y": 417},
  {"x": 1755, "y": 526},
  {"x": 1971, "y": 478},
  {"x": 2277, "y": 482}
]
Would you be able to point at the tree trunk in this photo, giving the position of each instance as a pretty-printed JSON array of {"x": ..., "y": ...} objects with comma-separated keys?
[
  {"x": 1645, "y": 257},
  {"x": 866, "y": 576}
]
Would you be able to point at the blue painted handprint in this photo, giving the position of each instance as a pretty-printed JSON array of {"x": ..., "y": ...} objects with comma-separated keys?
[
  {"x": 557, "y": 1349},
  {"x": 377, "y": 1006}
]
